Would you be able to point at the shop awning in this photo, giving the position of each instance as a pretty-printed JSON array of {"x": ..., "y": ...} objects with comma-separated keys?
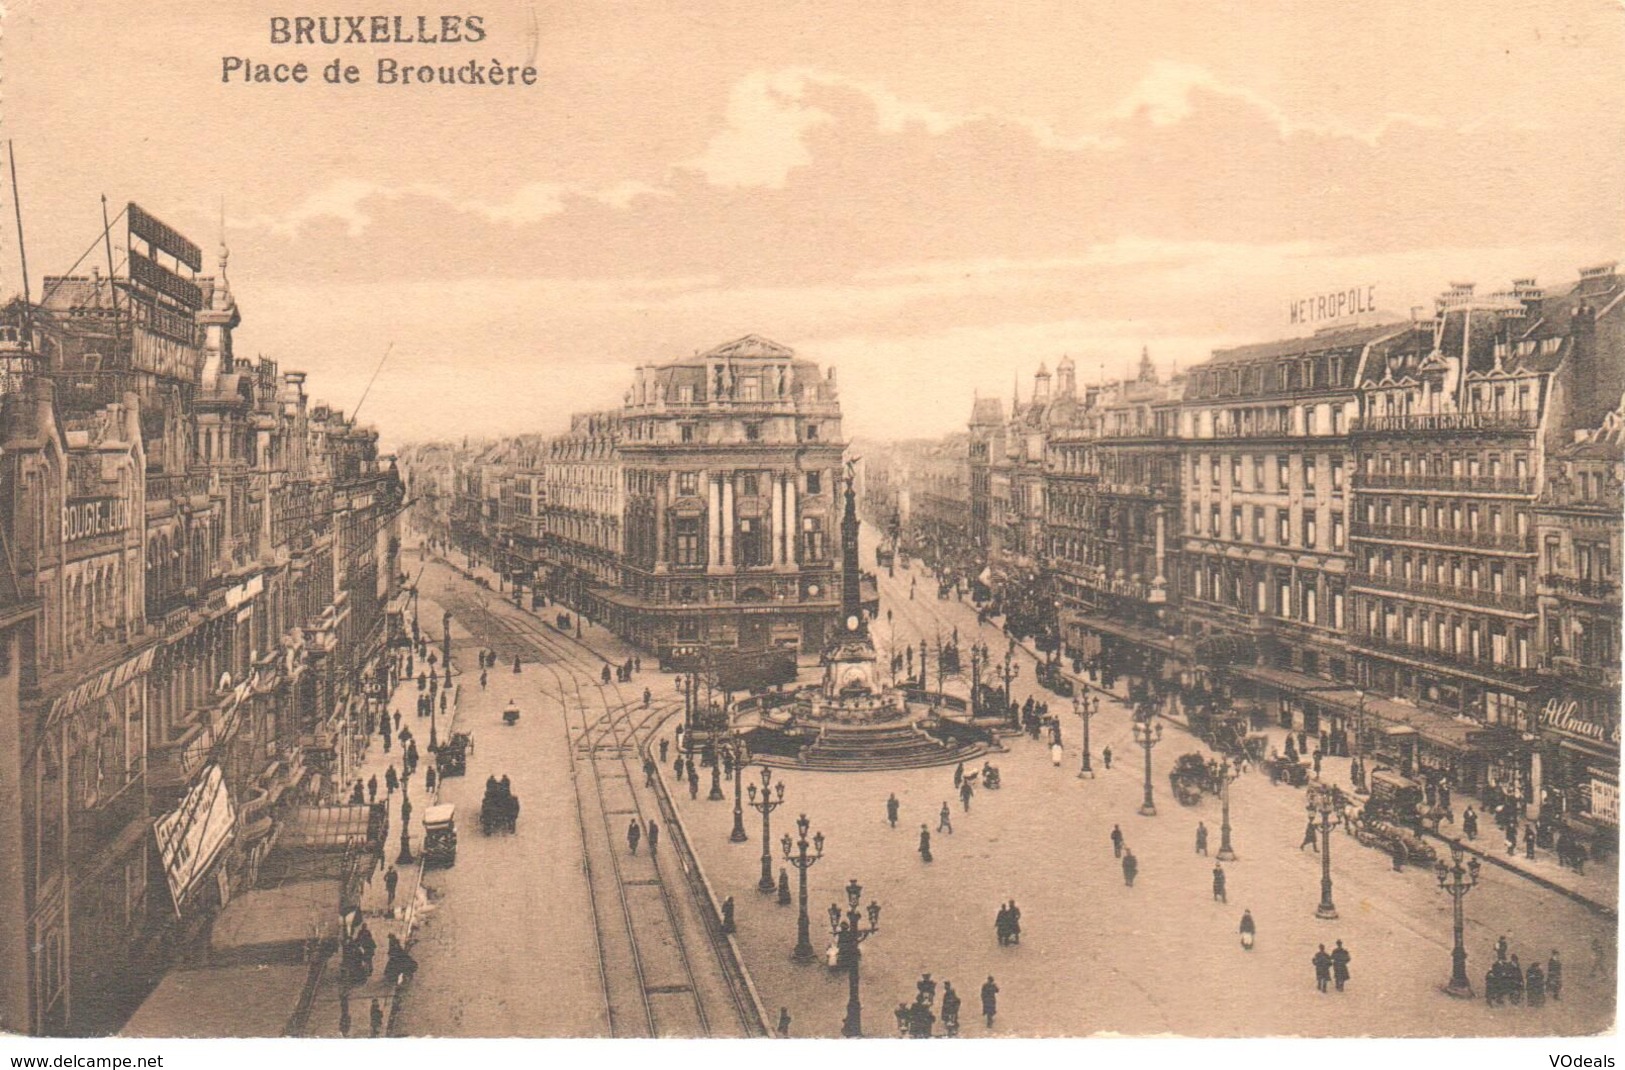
[
  {"x": 1131, "y": 632},
  {"x": 1431, "y": 725},
  {"x": 264, "y": 919},
  {"x": 222, "y": 1001},
  {"x": 327, "y": 827},
  {"x": 1298, "y": 683}
]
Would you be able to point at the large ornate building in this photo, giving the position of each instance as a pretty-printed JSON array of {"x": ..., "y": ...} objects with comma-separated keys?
[
  {"x": 701, "y": 514},
  {"x": 198, "y": 569}
]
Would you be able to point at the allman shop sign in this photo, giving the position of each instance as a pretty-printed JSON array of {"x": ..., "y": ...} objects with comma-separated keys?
[
  {"x": 88, "y": 518},
  {"x": 1565, "y": 717},
  {"x": 1319, "y": 308}
]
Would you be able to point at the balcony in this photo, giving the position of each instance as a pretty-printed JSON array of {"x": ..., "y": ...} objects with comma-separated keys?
[
  {"x": 1447, "y": 537},
  {"x": 1448, "y": 659},
  {"x": 1441, "y": 482},
  {"x": 1447, "y": 421},
  {"x": 1506, "y": 601},
  {"x": 96, "y": 825},
  {"x": 1573, "y": 587}
]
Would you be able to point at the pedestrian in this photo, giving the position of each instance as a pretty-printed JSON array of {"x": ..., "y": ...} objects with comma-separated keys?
[
  {"x": 944, "y": 824},
  {"x": 1502, "y": 946},
  {"x": 950, "y": 1009},
  {"x": 376, "y": 1017},
  {"x": 391, "y": 880},
  {"x": 391, "y": 780},
  {"x": 647, "y": 695},
  {"x": 1399, "y": 856},
  {"x": 1201, "y": 839},
  {"x": 516, "y": 664},
  {"x": 677, "y": 768},
  {"x": 783, "y": 1029},
  {"x": 372, "y": 788},
  {"x": 1131, "y": 867},
  {"x": 1106, "y": 756},
  {"x": 1512, "y": 837},
  {"x": 693, "y": 784},
  {"x": 959, "y": 775},
  {"x": 344, "y": 1013},
  {"x": 1535, "y": 986},
  {"x": 664, "y": 745},
  {"x": 649, "y": 772},
  {"x": 634, "y": 833},
  {"x": 1309, "y": 837},
  {"x": 1117, "y": 842},
  {"x": 925, "y": 844},
  {"x": 965, "y": 792},
  {"x": 1554, "y": 977},
  {"x": 483, "y": 679},
  {"x": 1001, "y": 925},
  {"x": 1323, "y": 965},
  {"x": 728, "y": 924},
  {"x": 358, "y": 793},
  {"x": 1014, "y": 913},
  {"x": 654, "y": 837},
  {"x": 1218, "y": 883},
  {"x": 891, "y": 809},
  {"x": 1529, "y": 843},
  {"x": 1249, "y": 930},
  {"x": 990, "y": 1000},
  {"x": 430, "y": 779},
  {"x": 1340, "y": 965}
]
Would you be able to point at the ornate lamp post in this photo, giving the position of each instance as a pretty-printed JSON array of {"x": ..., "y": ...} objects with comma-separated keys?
[
  {"x": 1226, "y": 776},
  {"x": 766, "y": 805},
  {"x": 1458, "y": 880},
  {"x": 738, "y": 834},
  {"x": 796, "y": 854},
  {"x": 849, "y": 933},
  {"x": 1086, "y": 707},
  {"x": 1148, "y": 733},
  {"x": 715, "y": 750},
  {"x": 1011, "y": 671},
  {"x": 1325, "y": 803}
]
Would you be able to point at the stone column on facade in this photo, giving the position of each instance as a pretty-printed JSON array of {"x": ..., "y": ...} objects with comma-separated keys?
[
  {"x": 662, "y": 496},
  {"x": 1534, "y": 785},
  {"x": 778, "y": 519},
  {"x": 728, "y": 521},
  {"x": 713, "y": 522},
  {"x": 791, "y": 526},
  {"x": 1159, "y": 582}
]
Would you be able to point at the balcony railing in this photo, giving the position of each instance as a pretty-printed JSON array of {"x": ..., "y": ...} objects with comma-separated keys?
[
  {"x": 1448, "y": 537},
  {"x": 1509, "y": 601},
  {"x": 1446, "y": 658},
  {"x": 1573, "y": 587},
  {"x": 1447, "y": 421},
  {"x": 1431, "y": 481}
]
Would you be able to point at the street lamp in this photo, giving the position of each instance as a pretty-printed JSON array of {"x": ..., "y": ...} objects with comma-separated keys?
[
  {"x": 715, "y": 794},
  {"x": 1326, "y": 804},
  {"x": 849, "y": 933},
  {"x": 737, "y": 747},
  {"x": 796, "y": 854},
  {"x": 1086, "y": 707},
  {"x": 1148, "y": 733},
  {"x": 1458, "y": 880},
  {"x": 766, "y": 805},
  {"x": 1227, "y": 774},
  {"x": 1011, "y": 671}
]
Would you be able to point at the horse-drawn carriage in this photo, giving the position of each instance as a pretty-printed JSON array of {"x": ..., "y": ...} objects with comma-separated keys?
[
  {"x": 1193, "y": 776},
  {"x": 440, "y": 836},
  {"x": 1390, "y": 837},
  {"x": 1051, "y": 676},
  {"x": 452, "y": 757},
  {"x": 1282, "y": 771},
  {"x": 499, "y": 811}
]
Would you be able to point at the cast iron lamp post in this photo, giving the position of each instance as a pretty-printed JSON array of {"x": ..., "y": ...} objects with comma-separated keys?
[
  {"x": 1086, "y": 707},
  {"x": 1148, "y": 733},
  {"x": 849, "y": 933},
  {"x": 737, "y": 746},
  {"x": 1227, "y": 776},
  {"x": 797, "y": 855},
  {"x": 1458, "y": 880},
  {"x": 766, "y": 805},
  {"x": 1325, "y": 803}
]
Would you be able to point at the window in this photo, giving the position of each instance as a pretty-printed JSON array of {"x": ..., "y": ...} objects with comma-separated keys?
[
  {"x": 1283, "y": 526},
  {"x": 815, "y": 483},
  {"x": 753, "y": 432},
  {"x": 1258, "y": 472},
  {"x": 1213, "y": 469},
  {"x": 1309, "y": 529},
  {"x": 686, "y": 432},
  {"x": 1213, "y": 518},
  {"x": 812, "y": 538},
  {"x": 1283, "y": 472},
  {"x": 688, "y": 482},
  {"x": 1337, "y": 531},
  {"x": 1311, "y": 609},
  {"x": 1196, "y": 471},
  {"x": 812, "y": 432},
  {"x": 749, "y": 485},
  {"x": 1235, "y": 470},
  {"x": 750, "y": 388},
  {"x": 1283, "y": 597},
  {"x": 1235, "y": 522},
  {"x": 1309, "y": 476},
  {"x": 688, "y": 541},
  {"x": 1337, "y": 473},
  {"x": 1258, "y": 524}
]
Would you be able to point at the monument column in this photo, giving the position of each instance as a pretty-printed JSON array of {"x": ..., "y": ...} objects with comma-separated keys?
[
  {"x": 728, "y": 521},
  {"x": 791, "y": 524},
  {"x": 713, "y": 523},
  {"x": 778, "y": 519}
]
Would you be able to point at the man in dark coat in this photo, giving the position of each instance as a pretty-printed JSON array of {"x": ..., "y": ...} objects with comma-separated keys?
[
  {"x": 925, "y": 844},
  {"x": 1201, "y": 839},
  {"x": 1309, "y": 837},
  {"x": 654, "y": 837},
  {"x": 634, "y": 833},
  {"x": 965, "y": 792},
  {"x": 891, "y": 809},
  {"x": 1117, "y": 842},
  {"x": 1218, "y": 883},
  {"x": 1340, "y": 965},
  {"x": 990, "y": 1000},
  {"x": 1131, "y": 867},
  {"x": 950, "y": 1009},
  {"x": 1323, "y": 968}
]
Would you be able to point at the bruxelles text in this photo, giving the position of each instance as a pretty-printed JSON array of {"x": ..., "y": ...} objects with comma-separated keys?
[
  {"x": 243, "y": 70},
  {"x": 377, "y": 30}
]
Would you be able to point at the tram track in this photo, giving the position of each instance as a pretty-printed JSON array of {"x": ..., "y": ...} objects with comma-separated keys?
[{"x": 648, "y": 980}]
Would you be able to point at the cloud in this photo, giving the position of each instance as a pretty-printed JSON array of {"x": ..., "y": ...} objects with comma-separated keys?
[{"x": 345, "y": 201}]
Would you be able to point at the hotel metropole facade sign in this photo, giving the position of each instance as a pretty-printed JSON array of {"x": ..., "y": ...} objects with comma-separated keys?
[{"x": 1335, "y": 305}]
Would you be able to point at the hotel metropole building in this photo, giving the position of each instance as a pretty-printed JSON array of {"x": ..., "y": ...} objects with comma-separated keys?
[{"x": 701, "y": 514}]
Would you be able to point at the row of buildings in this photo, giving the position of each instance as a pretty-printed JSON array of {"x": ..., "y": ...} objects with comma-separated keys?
[
  {"x": 197, "y": 567},
  {"x": 701, "y": 514},
  {"x": 1410, "y": 531}
]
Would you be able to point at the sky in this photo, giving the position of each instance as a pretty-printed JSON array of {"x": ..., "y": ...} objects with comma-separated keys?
[{"x": 934, "y": 198}]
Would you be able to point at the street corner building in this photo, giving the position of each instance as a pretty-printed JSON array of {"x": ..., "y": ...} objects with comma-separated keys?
[
  {"x": 196, "y": 588},
  {"x": 699, "y": 517}
]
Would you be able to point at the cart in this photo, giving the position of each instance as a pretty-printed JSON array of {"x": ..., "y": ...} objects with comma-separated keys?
[
  {"x": 440, "y": 836},
  {"x": 452, "y": 757}
]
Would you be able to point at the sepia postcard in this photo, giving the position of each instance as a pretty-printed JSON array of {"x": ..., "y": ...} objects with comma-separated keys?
[{"x": 536, "y": 519}]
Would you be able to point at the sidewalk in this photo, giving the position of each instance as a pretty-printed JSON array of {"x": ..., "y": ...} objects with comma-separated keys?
[
  {"x": 1596, "y": 888},
  {"x": 323, "y": 1019}
]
